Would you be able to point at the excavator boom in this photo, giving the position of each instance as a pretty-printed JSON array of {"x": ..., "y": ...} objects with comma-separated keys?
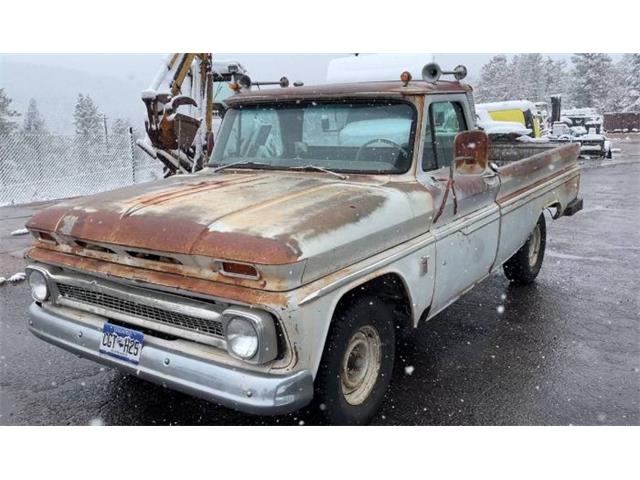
[{"x": 183, "y": 140}]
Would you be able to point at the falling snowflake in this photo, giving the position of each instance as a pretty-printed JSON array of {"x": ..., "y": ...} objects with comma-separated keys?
[
  {"x": 500, "y": 309},
  {"x": 96, "y": 422},
  {"x": 409, "y": 369}
]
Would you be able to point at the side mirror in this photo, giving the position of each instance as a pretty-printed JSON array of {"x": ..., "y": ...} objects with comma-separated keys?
[{"x": 471, "y": 152}]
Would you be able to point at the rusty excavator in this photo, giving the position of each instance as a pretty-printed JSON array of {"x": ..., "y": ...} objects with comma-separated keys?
[{"x": 184, "y": 103}]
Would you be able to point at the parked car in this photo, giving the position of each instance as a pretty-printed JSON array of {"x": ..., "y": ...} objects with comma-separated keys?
[{"x": 331, "y": 220}]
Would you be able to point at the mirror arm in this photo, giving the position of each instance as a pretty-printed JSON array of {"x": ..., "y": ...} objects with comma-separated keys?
[{"x": 450, "y": 186}]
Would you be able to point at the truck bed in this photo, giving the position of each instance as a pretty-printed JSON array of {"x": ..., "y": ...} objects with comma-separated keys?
[{"x": 505, "y": 152}]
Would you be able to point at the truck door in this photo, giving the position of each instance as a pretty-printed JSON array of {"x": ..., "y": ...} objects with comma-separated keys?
[{"x": 466, "y": 220}]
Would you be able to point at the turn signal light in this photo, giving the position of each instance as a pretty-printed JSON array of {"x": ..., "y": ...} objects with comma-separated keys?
[
  {"x": 405, "y": 77},
  {"x": 239, "y": 269}
]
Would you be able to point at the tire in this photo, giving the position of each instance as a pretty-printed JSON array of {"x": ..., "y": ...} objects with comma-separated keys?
[
  {"x": 362, "y": 336},
  {"x": 523, "y": 267}
]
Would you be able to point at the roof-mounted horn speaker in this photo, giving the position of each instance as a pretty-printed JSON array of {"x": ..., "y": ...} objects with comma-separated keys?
[
  {"x": 459, "y": 72},
  {"x": 431, "y": 72}
]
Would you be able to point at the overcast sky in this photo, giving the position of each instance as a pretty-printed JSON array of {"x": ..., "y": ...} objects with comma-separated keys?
[
  {"x": 115, "y": 81},
  {"x": 308, "y": 68}
]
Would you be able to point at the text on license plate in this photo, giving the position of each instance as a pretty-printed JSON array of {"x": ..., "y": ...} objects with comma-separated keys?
[{"x": 122, "y": 342}]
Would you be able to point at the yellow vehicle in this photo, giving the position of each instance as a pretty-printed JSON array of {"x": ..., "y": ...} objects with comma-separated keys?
[{"x": 520, "y": 111}]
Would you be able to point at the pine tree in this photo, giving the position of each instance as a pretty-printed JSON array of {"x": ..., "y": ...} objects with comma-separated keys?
[
  {"x": 555, "y": 79},
  {"x": 590, "y": 80},
  {"x": 617, "y": 89},
  {"x": 120, "y": 126},
  {"x": 630, "y": 76},
  {"x": 528, "y": 76},
  {"x": 87, "y": 119},
  {"x": 527, "y": 72},
  {"x": 494, "y": 80},
  {"x": 6, "y": 114},
  {"x": 33, "y": 122}
]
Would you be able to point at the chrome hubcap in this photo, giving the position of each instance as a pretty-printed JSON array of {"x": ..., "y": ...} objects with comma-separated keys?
[
  {"x": 360, "y": 365},
  {"x": 534, "y": 246}
]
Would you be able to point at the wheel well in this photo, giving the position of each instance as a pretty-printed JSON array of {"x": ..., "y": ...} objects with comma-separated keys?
[
  {"x": 554, "y": 209},
  {"x": 390, "y": 288}
]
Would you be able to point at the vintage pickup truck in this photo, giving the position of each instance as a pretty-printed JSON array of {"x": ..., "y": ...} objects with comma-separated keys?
[{"x": 330, "y": 221}]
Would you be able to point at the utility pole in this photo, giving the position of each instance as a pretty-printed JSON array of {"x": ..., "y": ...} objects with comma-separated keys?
[
  {"x": 106, "y": 139},
  {"x": 133, "y": 155}
]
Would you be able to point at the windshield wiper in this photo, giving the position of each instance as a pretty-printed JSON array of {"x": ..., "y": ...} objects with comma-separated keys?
[
  {"x": 243, "y": 164},
  {"x": 320, "y": 169}
]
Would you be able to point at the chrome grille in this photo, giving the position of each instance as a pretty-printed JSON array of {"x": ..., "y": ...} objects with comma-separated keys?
[{"x": 146, "y": 312}]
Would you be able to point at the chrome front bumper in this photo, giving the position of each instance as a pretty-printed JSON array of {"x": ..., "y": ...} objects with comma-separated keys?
[{"x": 243, "y": 390}]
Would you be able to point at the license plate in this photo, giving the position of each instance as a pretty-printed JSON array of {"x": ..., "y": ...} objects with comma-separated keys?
[{"x": 121, "y": 342}]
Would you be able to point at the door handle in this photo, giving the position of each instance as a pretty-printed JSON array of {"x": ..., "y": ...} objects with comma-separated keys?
[{"x": 490, "y": 174}]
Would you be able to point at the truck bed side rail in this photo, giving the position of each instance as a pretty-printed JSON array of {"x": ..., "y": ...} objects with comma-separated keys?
[{"x": 523, "y": 176}]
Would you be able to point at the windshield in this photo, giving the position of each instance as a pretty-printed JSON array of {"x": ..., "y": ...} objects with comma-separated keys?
[{"x": 356, "y": 137}]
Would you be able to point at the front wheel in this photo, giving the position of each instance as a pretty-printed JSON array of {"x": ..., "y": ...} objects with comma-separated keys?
[
  {"x": 357, "y": 362},
  {"x": 523, "y": 267}
]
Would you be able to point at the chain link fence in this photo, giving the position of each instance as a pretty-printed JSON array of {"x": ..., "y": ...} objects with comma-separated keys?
[{"x": 36, "y": 167}]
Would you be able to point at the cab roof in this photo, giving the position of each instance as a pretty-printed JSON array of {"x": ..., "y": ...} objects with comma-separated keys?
[{"x": 384, "y": 89}]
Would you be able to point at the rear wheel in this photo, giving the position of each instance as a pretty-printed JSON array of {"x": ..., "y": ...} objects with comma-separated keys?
[
  {"x": 523, "y": 267},
  {"x": 357, "y": 362}
]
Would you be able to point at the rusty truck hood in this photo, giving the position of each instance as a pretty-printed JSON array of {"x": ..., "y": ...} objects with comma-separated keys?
[{"x": 271, "y": 218}]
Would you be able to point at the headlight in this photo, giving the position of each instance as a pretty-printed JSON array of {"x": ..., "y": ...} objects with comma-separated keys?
[
  {"x": 242, "y": 338},
  {"x": 38, "y": 284},
  {"x": 251, "y": 334}
]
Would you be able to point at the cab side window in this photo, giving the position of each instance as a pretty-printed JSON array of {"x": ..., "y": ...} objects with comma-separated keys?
[{"x": 444, "y": 121}]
